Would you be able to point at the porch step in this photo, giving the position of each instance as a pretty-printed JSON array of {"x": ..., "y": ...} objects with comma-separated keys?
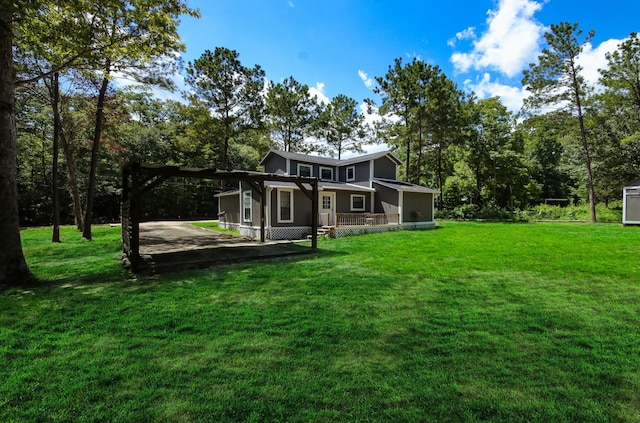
[{"x": 323, "y": 231}]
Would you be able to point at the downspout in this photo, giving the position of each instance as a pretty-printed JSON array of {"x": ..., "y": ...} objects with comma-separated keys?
[
  {"x": 240, "y": 206},
  {"x": 268, "y": 212},
  {"x": 433, "y": 207},
  {"x": 371, "y": 173},
  {"x": 400, "y": 203},
  {"x": 373, "y": 199}
]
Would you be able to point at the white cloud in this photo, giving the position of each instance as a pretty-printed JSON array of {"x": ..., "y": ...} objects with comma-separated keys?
[
  {"x": 368, "y": 149},
  {"x": 371, "y": 116},
  {"x": 509, "y": 43},
  {"x": 368, "y": 81},
  {"x": 370, "y": 113},
  {"x": 290, "y": 3},
  {"x": 591, "y": 59},
  {"x": 467, "y": 34},
  {"x": 512, "y": 97},
  {"x": 318, "y": 91}
]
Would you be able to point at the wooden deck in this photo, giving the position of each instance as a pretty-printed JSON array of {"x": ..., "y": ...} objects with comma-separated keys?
[{"x": 173, "y": 246}]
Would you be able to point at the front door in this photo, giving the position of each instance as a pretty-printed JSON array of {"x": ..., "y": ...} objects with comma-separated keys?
[{"x": 327, "y": 209}]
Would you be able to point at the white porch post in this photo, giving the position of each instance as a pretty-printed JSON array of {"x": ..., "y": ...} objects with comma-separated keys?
[
  {"x": 268, "y": 211},
  {"x": 371, "y": 173},
  {"x": 400, "y": 204},
  {"x": 433, "y": 207}
]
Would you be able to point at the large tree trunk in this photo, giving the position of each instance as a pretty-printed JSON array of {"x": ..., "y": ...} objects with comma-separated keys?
[
  {"x": 407, "y": 164},
  {"x": 72, "y": 173},
  {"x": 74, "y": 188},
  {"x": 420, "y": 148},
  {"x": 95, "y": 157},
  {"x": 587, "y": 162},
  {"x": 55, "y": 236},
  {"x": 13, "y": 267},
  {"x": 225, "y": 154},
  {"x": 439, "y": 176},
  {"x": 478, "y": 199},
  {"x": 585, "y": 146}
]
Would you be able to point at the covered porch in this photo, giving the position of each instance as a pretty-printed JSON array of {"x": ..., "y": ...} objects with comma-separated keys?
[
  {"x": 366, "y": 219},
  {"x": 347, "y": 224}
]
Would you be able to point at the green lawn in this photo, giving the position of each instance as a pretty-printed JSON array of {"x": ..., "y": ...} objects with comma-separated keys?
[
  {"x": 213, "y": 225},
  {"x": 466, "y": 323}
]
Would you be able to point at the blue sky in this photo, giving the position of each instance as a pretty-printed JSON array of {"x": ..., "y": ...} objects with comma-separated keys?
[{"x": 338, "y": 46}]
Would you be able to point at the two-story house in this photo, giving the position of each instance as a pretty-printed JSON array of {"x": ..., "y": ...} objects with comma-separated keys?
[{"x": 357, "y": 195}]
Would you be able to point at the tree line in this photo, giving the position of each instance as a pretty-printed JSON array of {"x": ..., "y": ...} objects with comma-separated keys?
[
  {"x": 70, "y": 128},
  {"x": 230, "y": 117}
]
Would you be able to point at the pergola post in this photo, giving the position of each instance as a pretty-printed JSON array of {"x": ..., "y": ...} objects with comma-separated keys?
[
  {"x": 314, "y": 215},
  {"x": 125, "y": 211},
  {"x": 137, "y": 179},
  {"x": 263, "y": 201},
  {"x": 134, "y": 204}
]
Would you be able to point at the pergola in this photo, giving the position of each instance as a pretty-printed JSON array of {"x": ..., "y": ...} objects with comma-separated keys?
[{"x": 140, "y": 178}]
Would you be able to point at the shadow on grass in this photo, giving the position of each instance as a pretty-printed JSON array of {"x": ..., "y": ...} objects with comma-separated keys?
[
  {"x": 167, "y": 262},
  {"x": 172, "y": 267}
]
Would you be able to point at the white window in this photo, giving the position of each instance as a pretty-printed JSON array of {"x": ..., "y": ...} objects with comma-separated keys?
[
  {"x": 305, "y": 170},
  {"x": 357, "y": 202},
  {"x": 326, "y": 173},
  {"x": 246, "y": 206},
  {"x": 326, "y": 202},
  {"x": 285, "y": 206},
  {"x": 351, "y": 173}
]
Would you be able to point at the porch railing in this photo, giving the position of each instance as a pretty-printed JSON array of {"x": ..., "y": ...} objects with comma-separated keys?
[{"x": 366, "y": 219}]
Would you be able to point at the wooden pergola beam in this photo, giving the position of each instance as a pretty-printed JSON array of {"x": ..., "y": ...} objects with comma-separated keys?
[
  {"x": 139, "y": 178},
  {"x": 212, "y": 173}
]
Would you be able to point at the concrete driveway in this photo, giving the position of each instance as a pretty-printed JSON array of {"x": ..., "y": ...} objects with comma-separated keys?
[
  {"x": 169, "y": 236},
  {"x": 168, "y": 246}
]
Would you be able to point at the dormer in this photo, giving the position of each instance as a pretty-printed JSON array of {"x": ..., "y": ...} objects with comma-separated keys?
[
  {"x": 304, "y": 169},
  {"x": 297, "y": 164},
  {"x": 327, "y": 173},
  {"x": 357, "y": 170},
  {"x": 362, "y": 169}
]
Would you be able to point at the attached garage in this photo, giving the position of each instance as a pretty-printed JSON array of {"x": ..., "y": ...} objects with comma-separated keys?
[{"x": 631, "y": 203}]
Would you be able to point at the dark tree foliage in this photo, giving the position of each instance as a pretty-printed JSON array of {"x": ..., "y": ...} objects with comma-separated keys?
[
  {"x": 292, "y": 114},
  {"x": 231, "y": 92},
  {"x": 556, "y": 80}
]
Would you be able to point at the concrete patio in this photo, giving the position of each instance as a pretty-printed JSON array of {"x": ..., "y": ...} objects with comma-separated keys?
[{"x": 174, "y": 245}]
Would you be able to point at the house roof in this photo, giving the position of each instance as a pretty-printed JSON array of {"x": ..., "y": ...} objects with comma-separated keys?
[
  {"x": 328, "y": 161},
  {"x": 404, "y": 186},
  {"x": 343, "y": 186},
  {"x": 224, "y": 193},
  {"x": 371, "y": 156},
  {"x": 275, "y": 184},
  {"x": 634, "y": 183},
  {"x": 323, "y": 186}
]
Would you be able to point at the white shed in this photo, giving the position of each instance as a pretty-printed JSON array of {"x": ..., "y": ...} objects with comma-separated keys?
[{"x": 631, "y": 203}]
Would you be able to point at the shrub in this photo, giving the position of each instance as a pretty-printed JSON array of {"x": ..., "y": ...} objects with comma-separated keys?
[
  {"x": 491, "y": 211},
  {"x": 613, "y": 213}
]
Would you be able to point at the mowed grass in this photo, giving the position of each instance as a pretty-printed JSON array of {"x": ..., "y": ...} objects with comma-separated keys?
[
  {"x": 466, "y": 323},
  {"x": 213, "y": 225}
]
